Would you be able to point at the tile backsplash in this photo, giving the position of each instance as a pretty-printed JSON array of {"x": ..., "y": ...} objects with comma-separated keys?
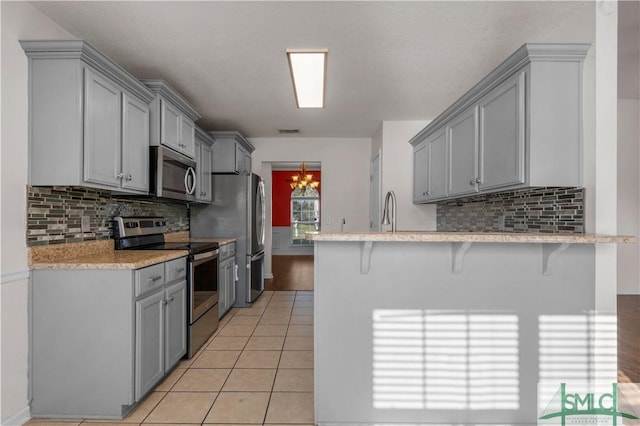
[
  {"x": 54, "y": 213},
  {"x": 548, "y": 210}
]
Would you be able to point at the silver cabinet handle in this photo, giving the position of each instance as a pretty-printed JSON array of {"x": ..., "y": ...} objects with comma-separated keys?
[
  {"x": 129, "y": 177},
  {"x": 180, "y": 270},
  {"x": 478, "y": 180},
  {"x": 472, "y": 182},
  {"x": 119, "y": 175},
  {"x": 170, "y": 299},
  {"x": 154, "y": 278}
]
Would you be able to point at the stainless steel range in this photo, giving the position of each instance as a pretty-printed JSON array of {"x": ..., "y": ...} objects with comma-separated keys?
[{"x": 147, "y": 233}]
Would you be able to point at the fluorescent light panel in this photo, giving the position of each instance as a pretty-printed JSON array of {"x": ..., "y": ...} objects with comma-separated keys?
[{"x": 308, "y": 71}]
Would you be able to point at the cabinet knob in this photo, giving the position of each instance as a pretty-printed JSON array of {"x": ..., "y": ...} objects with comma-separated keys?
[
  {"x": 472, "y": 182},
  {"x": 478, "y": 180},
  {"x": 427, "y": 193},
  {"x": 119, "y": 175},
  {"x": 129, "y": 177}
]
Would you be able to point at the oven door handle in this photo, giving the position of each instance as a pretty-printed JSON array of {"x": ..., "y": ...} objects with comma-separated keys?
[{"x": 205, "y": 255}]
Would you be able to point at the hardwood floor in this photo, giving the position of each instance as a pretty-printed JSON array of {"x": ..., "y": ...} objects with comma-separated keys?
[
  {"x": 296, "y": 273},
  {"x": 629, "y": 338},
  {"x": 291, "y": 273}
]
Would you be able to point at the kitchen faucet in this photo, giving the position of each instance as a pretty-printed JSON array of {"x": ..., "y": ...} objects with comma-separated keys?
[{"x": 385, "y": 215}]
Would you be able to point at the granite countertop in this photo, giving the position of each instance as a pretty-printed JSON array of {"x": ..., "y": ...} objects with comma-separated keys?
[
  {"x": 477, "y": 237},
  {"x": 96, "y": 255},
  {"x": 116, "y": 259}
]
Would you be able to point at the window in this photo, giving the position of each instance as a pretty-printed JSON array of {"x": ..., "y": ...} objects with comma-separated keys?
[{"x": 305, "y": 214}]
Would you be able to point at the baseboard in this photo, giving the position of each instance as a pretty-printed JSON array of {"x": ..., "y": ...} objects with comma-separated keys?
[{"x": 19, "y": 418}]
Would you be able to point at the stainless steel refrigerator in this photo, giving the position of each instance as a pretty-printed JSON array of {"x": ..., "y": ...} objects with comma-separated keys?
[{"x": 236, "y": 210}]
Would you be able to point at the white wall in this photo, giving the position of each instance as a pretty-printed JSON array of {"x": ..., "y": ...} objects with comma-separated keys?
[
  {"x": 628, "y": 193},
  {"x": 19, "y": 20},
  {"x": 397, "y": 175},
  {"x": 281, "y": 243},
  {"x": 345, "y": 178}
]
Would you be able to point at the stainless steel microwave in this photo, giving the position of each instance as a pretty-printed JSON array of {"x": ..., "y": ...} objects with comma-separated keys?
[{"x": 172, "y": 175}]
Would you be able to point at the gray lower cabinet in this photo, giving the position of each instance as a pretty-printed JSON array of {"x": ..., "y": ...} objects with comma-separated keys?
[
  {"x": 204, "y": 152},
  {"x": 226, "y": 278},
  {"x": 231, "y": 153},
  {"x": 519, "y": 127},
  {"x": 88, "y": 119},
  {"x": 101, "y": 339}
]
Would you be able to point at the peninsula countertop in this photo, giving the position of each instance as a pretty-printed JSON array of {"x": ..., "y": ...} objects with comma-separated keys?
[{"x": 473, "y": 237}]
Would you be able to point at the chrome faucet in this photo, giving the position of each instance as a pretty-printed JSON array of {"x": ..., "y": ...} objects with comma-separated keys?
[{"x": 385, "y": 215}]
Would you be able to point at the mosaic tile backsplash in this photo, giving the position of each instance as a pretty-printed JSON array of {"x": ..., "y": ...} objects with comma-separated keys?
[
  {"x": 54, "y": 213},
  {"x": 547, "y": 210}
]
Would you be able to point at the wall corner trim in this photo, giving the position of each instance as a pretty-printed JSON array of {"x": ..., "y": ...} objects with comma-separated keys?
[{"x": 13, "y": 276}]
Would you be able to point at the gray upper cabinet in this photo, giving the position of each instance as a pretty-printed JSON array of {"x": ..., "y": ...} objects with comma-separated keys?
[
  {"x": 421, "y": 173},
  {"x": 501, "y": 143},
  {"x": 172, "y": 119},
  {"x": 203, "y": 150},
  {"x": 463, "y": 145},
  {"x": 88, "y": 119},
  {"x": 520, "y": 126},
  {"x": 231, "y": 153},
  {"x": 429, "y": 163},
  {"x": 135, "y": 156}
]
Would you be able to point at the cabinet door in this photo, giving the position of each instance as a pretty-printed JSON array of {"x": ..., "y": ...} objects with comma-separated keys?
[
  {"x": 135, "y": 144},
  {"x": 463, "y": 143},
  {"x": 437, "y": 166},
  {"x": 231, "y": 280},
  {"x": 149, "y": 342},
  {"x": 175, "y": 323},
  {"x": 247, "y": 163},
  {"x": 501, "y": 144},
  {"x": 240, "y": 162},
  {"x": 170, "y": 119},
  {"x": 223, "y": 288},
  {"x": 187, "y": 137},
  {"x": 205, "y": 178},
  {"x": 198, "y": 150},
  {"x": 420, "y": 173},
  {"x": 102, "y": 139}
]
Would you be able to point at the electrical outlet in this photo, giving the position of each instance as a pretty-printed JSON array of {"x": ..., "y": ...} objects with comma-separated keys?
[{"x": 85, "y": 223}]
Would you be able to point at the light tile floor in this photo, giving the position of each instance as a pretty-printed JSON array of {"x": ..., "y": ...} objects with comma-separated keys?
[{"x": 256, "y": 369}]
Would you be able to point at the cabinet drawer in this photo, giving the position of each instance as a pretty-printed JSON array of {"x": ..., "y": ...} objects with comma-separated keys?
[
  {"x": 223, "y": 251},
  {"x": 148, "y": 279},
  {"x": 232, "y": 249},
  {"x": 175, "y": 269}
]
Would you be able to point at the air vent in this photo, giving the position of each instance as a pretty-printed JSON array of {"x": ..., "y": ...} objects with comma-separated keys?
[{"x": 288, "y": 131}]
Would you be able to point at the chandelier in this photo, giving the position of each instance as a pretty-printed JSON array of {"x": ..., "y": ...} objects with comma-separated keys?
[{"x": 303, "y": 180}]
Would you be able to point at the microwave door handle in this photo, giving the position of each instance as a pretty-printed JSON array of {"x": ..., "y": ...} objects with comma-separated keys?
[{"x": 190, "y": 189}]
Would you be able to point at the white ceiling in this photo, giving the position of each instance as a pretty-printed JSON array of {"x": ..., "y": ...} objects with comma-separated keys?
[{"x": 387, "y": 60}]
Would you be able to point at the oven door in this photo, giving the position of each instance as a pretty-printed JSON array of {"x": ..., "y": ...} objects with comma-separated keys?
[{"x": 203, "y": 284}]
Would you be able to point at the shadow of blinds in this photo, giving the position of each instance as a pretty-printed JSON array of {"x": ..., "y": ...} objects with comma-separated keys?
[{"x": 437, "y": 359}]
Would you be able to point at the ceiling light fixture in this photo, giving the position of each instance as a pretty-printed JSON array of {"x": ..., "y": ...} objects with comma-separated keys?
[
  {"x": 308, "y": 72},
  {"x": 303, "y": 180}
]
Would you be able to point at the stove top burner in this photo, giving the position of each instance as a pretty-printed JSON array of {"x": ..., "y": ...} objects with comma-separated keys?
[
  {"x": 192, "y": 247},
  {"x": 147, "y": 233}
]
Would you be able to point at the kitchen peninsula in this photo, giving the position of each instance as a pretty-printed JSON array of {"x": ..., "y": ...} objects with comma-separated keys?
[{"x": 453, "y": 327}]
